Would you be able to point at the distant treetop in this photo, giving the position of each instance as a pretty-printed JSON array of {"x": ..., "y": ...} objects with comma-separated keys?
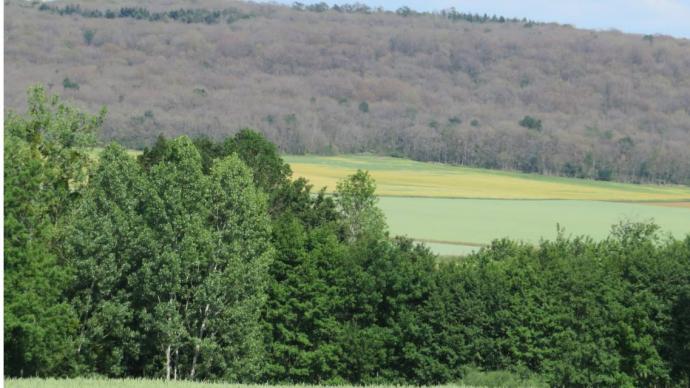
[
  {"x": 188, "y": 15},
  {"x": 208, "y": 16}
]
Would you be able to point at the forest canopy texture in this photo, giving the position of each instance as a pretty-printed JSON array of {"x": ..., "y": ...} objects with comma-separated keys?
[
  {"x": 476, "y": 90},
  {"x": 204, "y": 260}
]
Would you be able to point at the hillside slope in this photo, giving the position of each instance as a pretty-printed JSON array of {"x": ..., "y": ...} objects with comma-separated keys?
[{"x": 521, "y": 96}]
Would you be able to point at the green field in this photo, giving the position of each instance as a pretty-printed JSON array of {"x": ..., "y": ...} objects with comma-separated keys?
[
  {"x": 476, "y": 221},
  {"x": 456, "y": 209}
]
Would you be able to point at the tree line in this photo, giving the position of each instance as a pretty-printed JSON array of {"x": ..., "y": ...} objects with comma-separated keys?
[
  {"x": 205, "y": 260},
  {"x": 448, "y": 13},
  {"x": 207, "y": 16},
  {"x": 182, "y": 15}
]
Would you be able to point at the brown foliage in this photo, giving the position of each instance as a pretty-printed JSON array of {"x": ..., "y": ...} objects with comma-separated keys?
[{"x": 299, "y": 77}]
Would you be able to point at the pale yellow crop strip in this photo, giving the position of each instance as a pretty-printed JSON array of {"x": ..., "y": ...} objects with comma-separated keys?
[{"x": 465, "y": 183}]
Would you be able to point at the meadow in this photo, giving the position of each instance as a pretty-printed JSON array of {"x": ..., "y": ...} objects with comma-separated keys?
[
  {"x": 458, "y": 226},
  {"x": 123, "y": 383},
  {"x": 473, "y": 378},
  {"x": 456, "y": 209}
]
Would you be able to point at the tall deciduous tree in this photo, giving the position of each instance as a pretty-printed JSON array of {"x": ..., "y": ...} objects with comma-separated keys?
[
  {"x": 206, "y": 288},
  {"x": 172, "y": 266},
  {"x": 107, "y": 239},
  {"x": 234, "y": 291}
]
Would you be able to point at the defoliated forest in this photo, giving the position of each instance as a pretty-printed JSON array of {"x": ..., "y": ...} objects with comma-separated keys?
[
  {"x": 203, "y": 260},
  {"x": 473, "y": 90}
]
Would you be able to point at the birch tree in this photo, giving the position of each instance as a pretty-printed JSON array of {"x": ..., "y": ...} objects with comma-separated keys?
[
  {"x": 106, "y": 240},
  {"x": 206, "y": 289},
  {"x": 168, "y": 279},
  {"x": 356, "y": 199}
]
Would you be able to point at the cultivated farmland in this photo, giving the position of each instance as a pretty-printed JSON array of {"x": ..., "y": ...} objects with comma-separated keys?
[
  {"x": 456, "y": 209},
  {"x": 402, "y": 177}
]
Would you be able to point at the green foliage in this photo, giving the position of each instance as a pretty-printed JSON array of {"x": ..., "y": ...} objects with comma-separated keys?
[
  {"x": 204, "y": 261},
  {"x": 106, "y": 240},
  {"x": 387, "y": 337},
  {"x": 88, "y": 35},
  {"x": 575, "y": 311},
  {"x": 171, "y": 263},
  {"x": 38, "y": 323},
  {"x": 677, "y": 348},
  {"x": 183, "y": 15},
  {"x": 530, "y": 122},
  {"x": 45, "y": 164},
  {"x": 317, "y": 7},
  {"x": 290, "y": 119},
  {"x": 364, "y": 107},
  {"x": 357, "y": 203},
  {"x": 270, "y": 172},
  {"x": 304, "y": 299},
  {"x": 405, "y": 11},
  {"x": 69, "y": 84},
  {"x": 455, "y": 120}
]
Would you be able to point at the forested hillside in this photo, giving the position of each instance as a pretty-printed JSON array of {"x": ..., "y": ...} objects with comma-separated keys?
[{"x": 449, "y": 87}]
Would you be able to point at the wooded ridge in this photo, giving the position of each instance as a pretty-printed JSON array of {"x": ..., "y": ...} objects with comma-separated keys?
[{"x": 457, "y": 88}]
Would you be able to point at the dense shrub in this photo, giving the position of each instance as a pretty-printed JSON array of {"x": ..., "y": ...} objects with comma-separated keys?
[
  {"x": 531, "y": 123},
  {"x": 69, "y": 84}
]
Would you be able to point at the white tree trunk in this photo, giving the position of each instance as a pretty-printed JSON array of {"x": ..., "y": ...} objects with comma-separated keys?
[
  {"x": 197, "y": 348},
  {"x": 177, "y": 357},
  {"x": 167, "y": 363}
]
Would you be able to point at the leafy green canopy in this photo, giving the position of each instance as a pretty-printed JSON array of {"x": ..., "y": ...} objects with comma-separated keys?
[
  {"x": 203, "y": 260},
  {"x": 171, "y": 266},
  {"x": 45, "y": 167}
]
